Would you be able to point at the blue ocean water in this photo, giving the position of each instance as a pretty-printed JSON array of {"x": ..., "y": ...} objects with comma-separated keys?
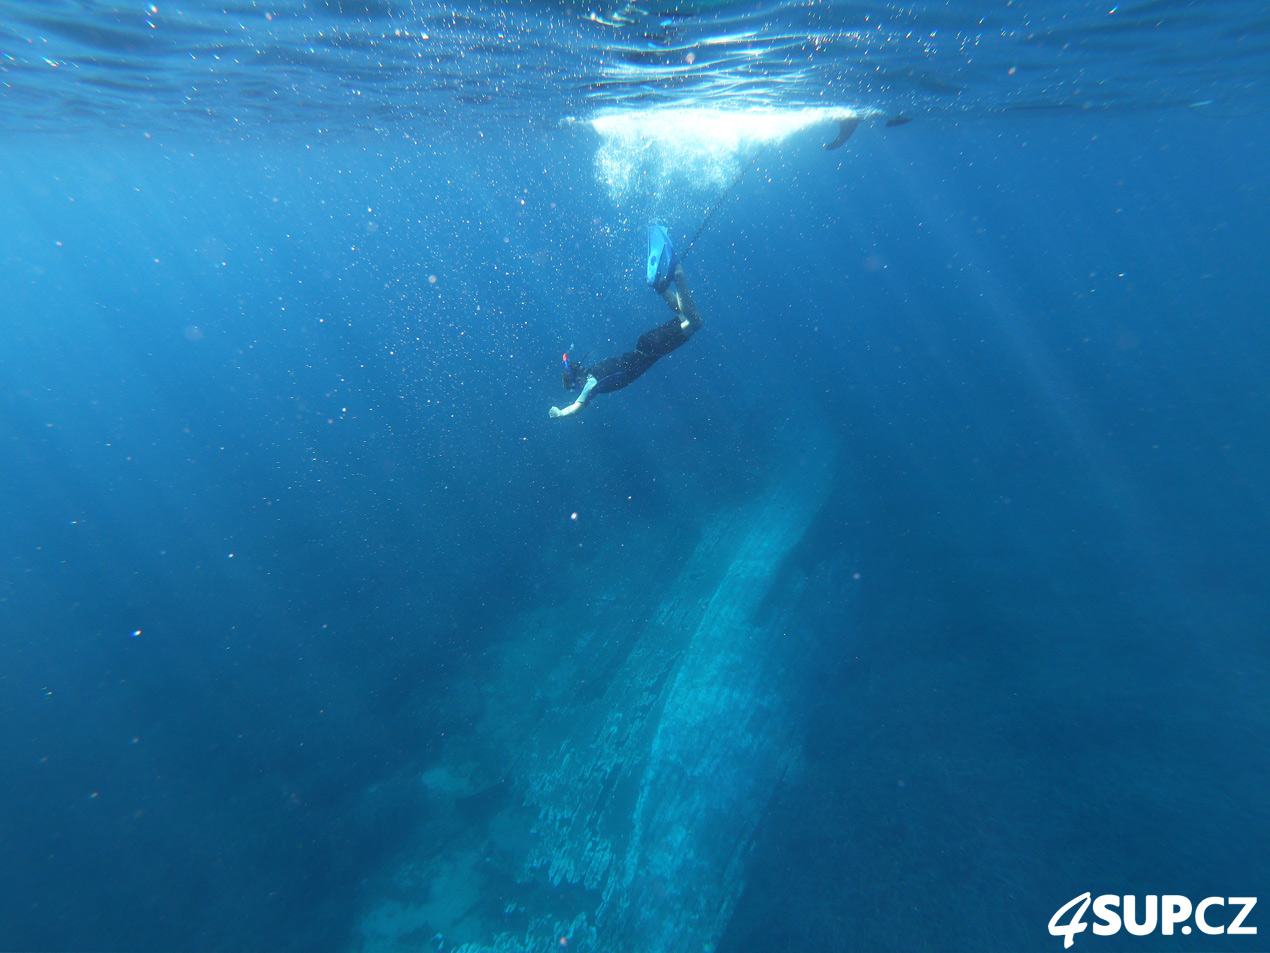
[{"x": 286, "y": 526}]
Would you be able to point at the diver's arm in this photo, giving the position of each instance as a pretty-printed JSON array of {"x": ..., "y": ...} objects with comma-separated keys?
[{"x": 577, "y": 404}]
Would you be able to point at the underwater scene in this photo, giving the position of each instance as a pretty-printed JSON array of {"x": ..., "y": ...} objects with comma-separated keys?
[{"x": 630, "y": 477}]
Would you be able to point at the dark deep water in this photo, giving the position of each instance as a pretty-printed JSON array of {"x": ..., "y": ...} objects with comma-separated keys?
[{"x": 266, "y": 490}]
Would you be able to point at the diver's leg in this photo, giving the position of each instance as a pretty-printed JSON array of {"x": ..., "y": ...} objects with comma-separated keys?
[
  {"x": 680, "y": 301},
  {"x": 670, "y": 296}
]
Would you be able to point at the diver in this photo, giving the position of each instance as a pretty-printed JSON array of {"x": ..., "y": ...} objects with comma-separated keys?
[{"x": 614, "y": 373}]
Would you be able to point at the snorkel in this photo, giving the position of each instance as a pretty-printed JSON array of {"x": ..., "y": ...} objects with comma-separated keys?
[{"x": 574, "y": 374}]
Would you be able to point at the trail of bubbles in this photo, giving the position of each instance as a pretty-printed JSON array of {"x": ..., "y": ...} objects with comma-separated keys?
[{"x": 664, "y": 161}]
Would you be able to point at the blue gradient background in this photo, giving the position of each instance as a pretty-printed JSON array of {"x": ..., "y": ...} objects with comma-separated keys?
[{"x": 240, "y": 418}]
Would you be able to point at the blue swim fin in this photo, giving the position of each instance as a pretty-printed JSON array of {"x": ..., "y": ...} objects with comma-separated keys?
[{"x": 661, "y": 257}]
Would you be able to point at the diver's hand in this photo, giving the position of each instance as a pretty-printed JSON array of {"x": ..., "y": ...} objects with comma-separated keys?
[{"x": 554, "y": 412}]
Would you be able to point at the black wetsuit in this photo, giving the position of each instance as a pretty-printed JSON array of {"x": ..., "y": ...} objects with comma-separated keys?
[{"x": 614, "y": 373}]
